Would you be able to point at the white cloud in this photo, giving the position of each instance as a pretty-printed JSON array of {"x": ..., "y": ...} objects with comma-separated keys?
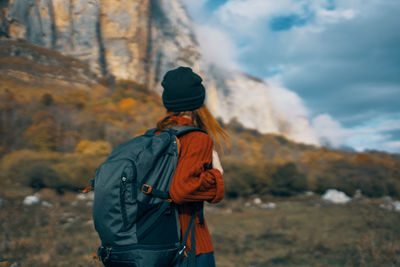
[
  {"x": 251, "y": 10},
  {"x": 372, "y": 135},
  {"x": 391, "y": 146},
  {"x": 333, "y": 16},
  {"x": 195, "y": 8},
  {"x": 194, "y": 4},
  {"x": 330, "y": 131},
  {"x": 389, "y": 125},
  {"x": 286, "y": 101},
  {"x": 217, "y": 47},
  {"x": 239, "y": 15}
]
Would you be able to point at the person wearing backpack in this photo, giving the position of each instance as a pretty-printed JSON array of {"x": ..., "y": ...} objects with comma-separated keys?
[
  {"x": 150, "y": 190},
  {"x": 198, "y": 176}
]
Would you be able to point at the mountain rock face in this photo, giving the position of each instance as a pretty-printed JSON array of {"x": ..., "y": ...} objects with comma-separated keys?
[
  {"x": 140, "y": 40},
  {"x": 129, "y": 39}
]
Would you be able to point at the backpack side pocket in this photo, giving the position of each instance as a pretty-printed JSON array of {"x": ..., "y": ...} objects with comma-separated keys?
[{"x": 128, "y": 196}]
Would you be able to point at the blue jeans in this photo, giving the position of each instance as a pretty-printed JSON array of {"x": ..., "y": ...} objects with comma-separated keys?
[{"x": 203, "y": 260}]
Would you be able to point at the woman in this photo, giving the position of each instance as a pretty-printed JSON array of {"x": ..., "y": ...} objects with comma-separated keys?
[{"x": 198, "y": 176}]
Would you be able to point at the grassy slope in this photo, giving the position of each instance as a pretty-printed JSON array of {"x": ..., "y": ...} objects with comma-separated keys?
[{"x": 308, "y": 232}]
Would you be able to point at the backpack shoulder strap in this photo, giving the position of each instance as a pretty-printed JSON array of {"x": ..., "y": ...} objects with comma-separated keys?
[
  {"x": 151, "y": 131},
  {"x": 176, "y": 130},
  {"x": 183, "y": 129}
]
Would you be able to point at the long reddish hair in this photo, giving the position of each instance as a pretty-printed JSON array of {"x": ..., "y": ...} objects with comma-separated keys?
[{"x": 201, "y": 118}]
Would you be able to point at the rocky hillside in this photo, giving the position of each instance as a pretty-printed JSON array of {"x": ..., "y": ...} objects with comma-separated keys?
[
  {"x": 59, "y": 120},
  {"x": 33, "y": 65},
  {"x": 139, "y": 41}
]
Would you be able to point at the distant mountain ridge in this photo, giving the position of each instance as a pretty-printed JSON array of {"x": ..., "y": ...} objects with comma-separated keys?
[{"x": 140, "y": 41}]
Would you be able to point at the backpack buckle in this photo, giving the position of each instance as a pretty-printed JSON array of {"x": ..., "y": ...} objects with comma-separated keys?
[
  {"x": 183, "y": 251},
  {"x": 147, "y": 189}
]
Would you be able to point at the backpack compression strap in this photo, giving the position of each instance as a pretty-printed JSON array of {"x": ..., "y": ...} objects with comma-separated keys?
[{"x": 182, "y": 254}]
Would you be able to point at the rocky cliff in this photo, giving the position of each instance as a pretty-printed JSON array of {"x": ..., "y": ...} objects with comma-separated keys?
[
  {"x": 140, "y": 40},
  {"x": 130, "y": 39}
]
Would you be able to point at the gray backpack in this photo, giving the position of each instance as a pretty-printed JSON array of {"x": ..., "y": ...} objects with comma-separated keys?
[{"x": 136, "y": 220}]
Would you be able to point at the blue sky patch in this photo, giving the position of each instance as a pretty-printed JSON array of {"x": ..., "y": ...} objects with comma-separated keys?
[
  {"x": 330, "y": 5},
  {"x": 285, "y": 23},
  {"x": 214, "y": 4}
]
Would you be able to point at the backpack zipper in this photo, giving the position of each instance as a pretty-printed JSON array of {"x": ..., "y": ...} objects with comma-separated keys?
[{"x": 122, "y": 199}]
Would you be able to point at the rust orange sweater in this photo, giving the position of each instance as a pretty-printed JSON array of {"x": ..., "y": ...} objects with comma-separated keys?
[{"x": 193, "y": 181}]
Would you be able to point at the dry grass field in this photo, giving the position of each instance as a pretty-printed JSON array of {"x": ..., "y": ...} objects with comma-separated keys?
[{"x": 300, "y": 231}]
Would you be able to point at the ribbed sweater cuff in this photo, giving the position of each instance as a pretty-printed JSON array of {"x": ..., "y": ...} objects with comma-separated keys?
[{"x": 219, "y": 184}]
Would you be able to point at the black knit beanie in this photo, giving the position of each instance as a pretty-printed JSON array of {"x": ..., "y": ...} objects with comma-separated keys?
[{"x": 183, "y": 90}]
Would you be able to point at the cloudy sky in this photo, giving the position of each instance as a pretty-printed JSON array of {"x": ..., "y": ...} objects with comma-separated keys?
[{"x": 341, "y": 57}]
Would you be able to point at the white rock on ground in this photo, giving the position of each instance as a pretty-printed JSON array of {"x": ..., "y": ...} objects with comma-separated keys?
[
  {"x": 47, "y": 204},
  {"x": 227, "y": 211},
  {"x": 31, "y": 200},
  {"x": 268, "y": 206},
  {"x": 396, "y": 205},
  {"x": 386, "y": 198},
  {"x": 386, "y": 206},
  {"x": 390, "y": 206},
  {"x": 85, "y": 196},
  {"x": 81, "y": 196},
  {"x": 358, "y": 194},
  {"x": 257, "y": 201},
  {"x": 335, "y": 196}
]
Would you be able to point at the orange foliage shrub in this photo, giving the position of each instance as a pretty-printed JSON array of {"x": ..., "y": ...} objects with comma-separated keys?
[
  {"x": 43, "y": 134},
  {"x": 127, "y": 103},
  {"x": 93, "y": 147},
  {"x": 363, "y": 158}
]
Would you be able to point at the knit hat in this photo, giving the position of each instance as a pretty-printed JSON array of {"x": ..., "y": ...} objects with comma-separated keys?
[{"x": 183, "y": 90}]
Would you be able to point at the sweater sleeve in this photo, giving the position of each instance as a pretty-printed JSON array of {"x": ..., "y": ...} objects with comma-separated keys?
[{"x": 193, "y": 179}]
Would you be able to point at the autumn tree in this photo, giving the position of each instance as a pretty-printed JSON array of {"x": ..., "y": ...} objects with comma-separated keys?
[{"x": 42, "y": 134}]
